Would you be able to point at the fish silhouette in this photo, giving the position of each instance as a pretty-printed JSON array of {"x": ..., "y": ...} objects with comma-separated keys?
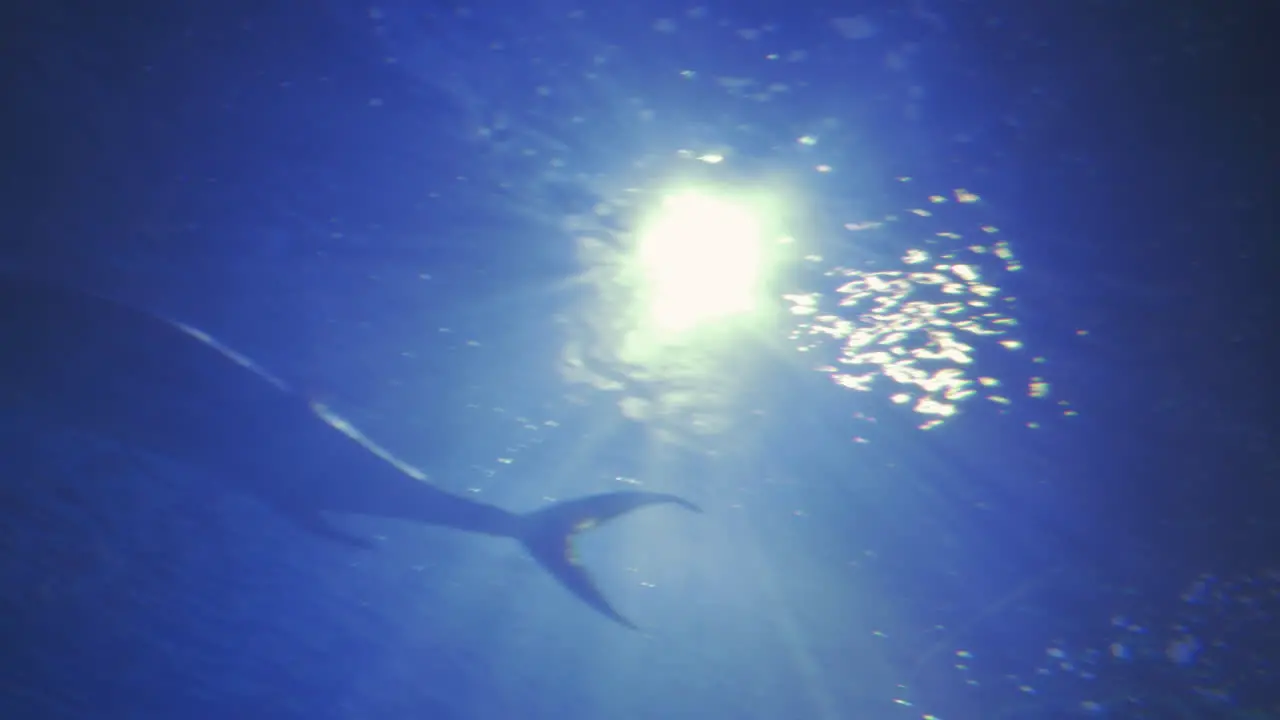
[{"x": 167, "y": 388}]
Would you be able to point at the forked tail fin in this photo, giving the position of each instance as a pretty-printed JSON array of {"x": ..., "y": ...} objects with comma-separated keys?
[{"x": 548, "y": 535}]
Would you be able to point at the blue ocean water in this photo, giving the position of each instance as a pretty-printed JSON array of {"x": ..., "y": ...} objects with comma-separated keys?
[{"x": 429, "y": 214}]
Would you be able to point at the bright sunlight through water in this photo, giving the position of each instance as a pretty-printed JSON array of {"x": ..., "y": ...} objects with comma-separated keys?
[{"x": 702, "y": 259}]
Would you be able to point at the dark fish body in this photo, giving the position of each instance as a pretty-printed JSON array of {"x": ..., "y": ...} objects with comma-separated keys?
[{"x": 169, "y": 389}]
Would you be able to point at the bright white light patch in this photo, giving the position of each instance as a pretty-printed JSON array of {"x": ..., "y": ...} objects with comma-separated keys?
[{"x": 701, "y": 257}]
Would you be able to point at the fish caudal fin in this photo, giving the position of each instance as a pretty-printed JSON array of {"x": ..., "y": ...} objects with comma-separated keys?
[{"x": 548, "y": 535}]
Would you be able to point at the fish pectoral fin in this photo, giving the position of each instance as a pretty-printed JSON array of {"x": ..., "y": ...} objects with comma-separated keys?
[
  {"x": 548, "y": 535},
  {"x": 316, "y": 524}
]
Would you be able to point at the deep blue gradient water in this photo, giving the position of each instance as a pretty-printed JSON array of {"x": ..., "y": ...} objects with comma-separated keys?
[{"x": 426, "y": 214}]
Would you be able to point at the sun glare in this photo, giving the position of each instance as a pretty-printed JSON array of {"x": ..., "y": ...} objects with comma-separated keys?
[{"x": 702, "y": 259}]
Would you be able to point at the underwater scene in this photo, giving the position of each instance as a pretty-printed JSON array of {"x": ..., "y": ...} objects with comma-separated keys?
[{"x": 541, "y": 359}]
